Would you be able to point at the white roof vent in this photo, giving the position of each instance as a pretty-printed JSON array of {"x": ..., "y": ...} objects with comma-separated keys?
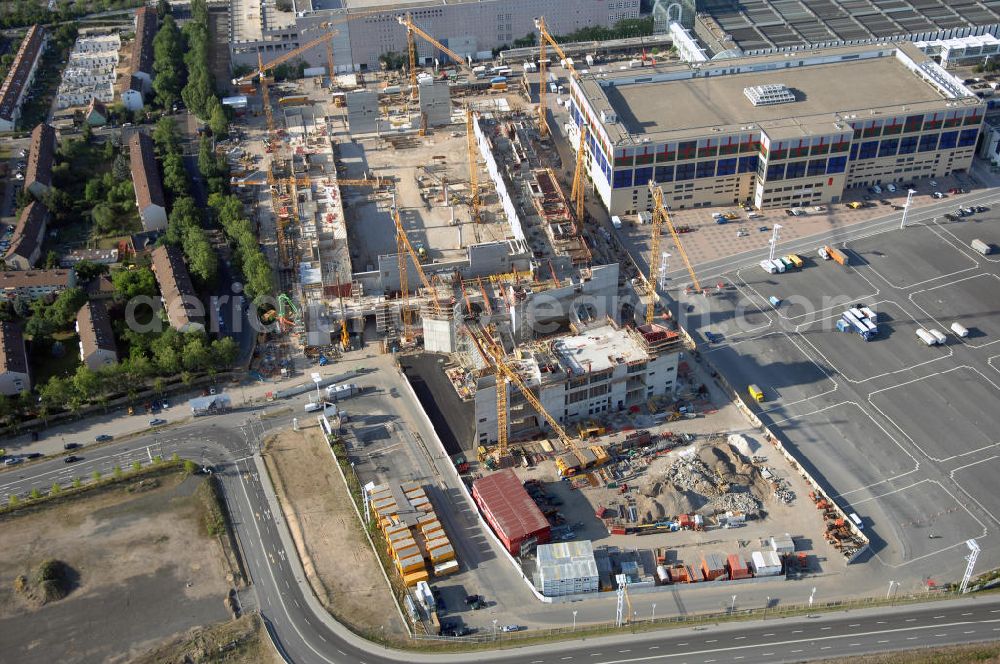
[
  {"x": 769, "y": 95},
  {"x": 609, "y": 116}
]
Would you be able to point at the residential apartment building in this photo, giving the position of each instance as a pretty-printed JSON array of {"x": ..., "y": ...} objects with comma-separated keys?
[
  {"x": 41, "y": 155},
  {"x": 15, "y": 375},
  {"x": 472, "y": 28},
  {"x": 29, "y": 232},
  {"x": 589, "y": 374},
  {"x": 149, "y": 198},
  {"x": 774, "y": 130},
  {"x": 33, "y": 284},
  {"x": 20, "y": 77},
  {"x": 97, "y": 339},
  {"x": 184, "y": 310},
  {"x": 142, "y": 48},
  {"x": 90, "y": 72}
]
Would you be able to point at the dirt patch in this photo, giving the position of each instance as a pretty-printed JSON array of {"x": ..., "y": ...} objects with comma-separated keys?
[
  {"x": 141, "y": 572},
  {"x": 336, "y": 555},
  {"x": 242, "y": 641}
]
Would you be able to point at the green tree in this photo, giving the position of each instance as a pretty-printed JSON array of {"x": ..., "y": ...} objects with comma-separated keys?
[
  {"x": 55, "y": 490},
  {"x": 175, "y": 178},
  {"x": 121, "y": 168},
  {"x": 224, "y": 352},
  {"x": 56, "y": 393},
  {"x": 166, "y": 135},
  {"x": 168, "y": 55},
  {"x": 196, "y": 356},
  {"x": 136, "y": 466},
  {"x": 13, "y": 500},
  {"x": 35, "y": 494},
  {"x": 217, "y": 121},
  {"x": 190, "y": 467},
  {"x": 86, "y": 382},
  {"x": 117, "y": 472},
  {"x": 51, "y": 260},
  {"x": 93, "y": 191},
  {"x": 87, "y": 270},
  {"x": 96, "y": 476},
  {"x": 133, "y": 283},
  {"x": 105, "y": 219}
]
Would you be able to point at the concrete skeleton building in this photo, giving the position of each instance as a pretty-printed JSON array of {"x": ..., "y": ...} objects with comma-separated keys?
[
  {"x": 149, "y": 198},
  {"x": 582, "y": 375},
  {"x": 33, "y": 284},
  {"x": 41, "y": 154},
  {"x": 472, "y": 28},
  {"x": 185, "y": 312},
  {"x": 20, "y": 76},
  {"x": 97, "y": 339},
  {"x": 90, "y": 72},
  {"x": 15, "y": 374},
  {"x": 774, "y": 130},
  {"x": 29, "y": 232}
]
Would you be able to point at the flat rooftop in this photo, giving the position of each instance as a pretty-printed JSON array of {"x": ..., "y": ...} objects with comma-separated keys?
[
  {"x": 387, "y": 5},
  {"x": 700, "y": 104},
  {"x": 597, "y": 349}
]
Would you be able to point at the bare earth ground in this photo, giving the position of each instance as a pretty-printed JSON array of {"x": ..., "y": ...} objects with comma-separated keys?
[
  {"x": 336, "y": 555},
  {"x": 146, "y": 573},
  {"x": 241, "y": 641}
]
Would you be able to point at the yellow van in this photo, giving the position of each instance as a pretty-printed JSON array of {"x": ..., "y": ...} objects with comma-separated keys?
[
  {"x": 796, "y": 260},
  {"x": 756, "y": 393}
]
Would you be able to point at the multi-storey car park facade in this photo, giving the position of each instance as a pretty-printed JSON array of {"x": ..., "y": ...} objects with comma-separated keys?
[
  {"x": 846, "y": 117},
  {"x": 468, "y": 27}
]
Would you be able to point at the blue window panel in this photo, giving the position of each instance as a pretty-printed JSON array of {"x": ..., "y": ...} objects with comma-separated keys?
[
  {"x": 684, "y": 172},
  {"x": 854, "y": 151},
  {"x": 816, "y": 167},
  {"x": 968, "y": 137},
  {"x": 888, "y": 147},
  {"x": 775, "y": 172},
  {"x": 748, "y": 164},
  {"x": 665, "y": 173},
  {"x": 725, "y": 167},
  {"x": 928, "y": 142},
  {"x": 949, "y": 139},
  {"x": 796, "y": 169},
  {"x": 706, "y": 169},
  {"x": 908, "y": 145},
  {"x": 643, "y": 176},
  {"x": 869, "y": 150},
  {"x": 836, "y": 165},
  {"x": 623, "y": 178}
]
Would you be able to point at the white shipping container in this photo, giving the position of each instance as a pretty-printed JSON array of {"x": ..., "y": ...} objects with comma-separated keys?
[
  {"x": 662, "y": 575},
  {"x": 959, "y": 329},
  {"x": 926, "y": 337},
  {"x": 778, "y": 265},
  {"x": 590, "y": 60},
  {"x": 768, "y": 266},
  {"x": 938, "y": 336}
]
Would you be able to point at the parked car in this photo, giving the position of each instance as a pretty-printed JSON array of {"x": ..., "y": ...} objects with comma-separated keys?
[
  {"x": 104, "y": 437},
  {"x": 12, "y": 461},
  {"x": 510, "y": 628},
  {"x": 937, "y": 194},
  {"x": 34, "y": 455},
  {"x": 159, "y": 421},
  {"x": 72, "y": 446},
  {"x": 71, "y": 458}
]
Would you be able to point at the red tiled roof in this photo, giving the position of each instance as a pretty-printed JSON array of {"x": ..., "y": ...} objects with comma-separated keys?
[{"x": 12, "y": 86}]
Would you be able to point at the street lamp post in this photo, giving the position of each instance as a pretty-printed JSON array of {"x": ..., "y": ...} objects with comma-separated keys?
[
  {"x": 494, "y": 628},
  {"x": 653, "y": 618},
  {"x": 906, "y": 208},
  {"x": 812, "y": 595},
  {"x": 732, "y": 608},
  {"x": 889, "y": 591},
  {"x": 574, "y": 620},
  {"x": 767, "y": 604}
]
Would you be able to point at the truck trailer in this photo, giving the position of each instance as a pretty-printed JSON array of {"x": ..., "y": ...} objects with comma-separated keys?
[{"x": 981, "y": 247}]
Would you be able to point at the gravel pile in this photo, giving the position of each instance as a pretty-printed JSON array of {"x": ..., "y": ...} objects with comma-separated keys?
[{"x": 737, "y": 502}]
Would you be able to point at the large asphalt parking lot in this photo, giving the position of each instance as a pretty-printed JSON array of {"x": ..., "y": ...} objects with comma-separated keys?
[{"x": 904, "y": 434}]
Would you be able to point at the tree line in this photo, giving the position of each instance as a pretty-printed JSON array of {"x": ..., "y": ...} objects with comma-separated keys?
[{"x": 257, "y": 274}]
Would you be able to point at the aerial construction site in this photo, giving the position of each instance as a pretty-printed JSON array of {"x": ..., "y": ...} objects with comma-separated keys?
[{"x": 443, "y": 217}]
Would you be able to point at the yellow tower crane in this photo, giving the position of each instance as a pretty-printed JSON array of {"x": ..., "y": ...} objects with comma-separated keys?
[
  {"x": 265, "y": 80},
  {"x": 660, "y": 217},
  {"x": 405, "y": 249},
  {"x": 413, "y": 29},
  {"x": 470, "y": 138},
  {"x": 495, "y": 356},
  {"x": 546, "y": 38},
  {"x": 577, "y": 194}
]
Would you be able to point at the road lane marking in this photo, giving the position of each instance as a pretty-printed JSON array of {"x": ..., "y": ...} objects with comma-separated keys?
[
  {"x": 654, "y": 647},
  {"x": 939, "y": 617},
  {"x": 853, "y": 645},
  {"x": 796, "y": 631},
  {"x": 910, "y": 638},
  {"x": 825, "y": 647},
  {"x": 769, "y": 634},
  {"x": 882, "y": 641},
  {"x": 739, "y": 637},
  {"x": 971, "y": 631},
  {"x": 967, "y": 614},
  {"x": 823, "y": 628},
  {"x": 855, "y": 625},
  {"x": 914, "y": 619}
]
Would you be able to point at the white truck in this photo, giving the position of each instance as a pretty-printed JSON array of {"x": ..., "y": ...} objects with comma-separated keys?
[
  {"x": 960, "y": 330},
  {"x": 981, "y": 247},
  {"x": 926, "y": 337}
]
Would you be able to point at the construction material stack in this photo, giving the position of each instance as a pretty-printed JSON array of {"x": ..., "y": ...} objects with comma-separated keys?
[{"x": 414, "y": 536}]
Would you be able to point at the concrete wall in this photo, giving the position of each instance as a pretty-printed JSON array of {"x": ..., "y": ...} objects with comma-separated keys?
[
  {"x": 435, "y": 101},
  {"x": 583, "y": 298},
  {"x": 362, "y": 112}
]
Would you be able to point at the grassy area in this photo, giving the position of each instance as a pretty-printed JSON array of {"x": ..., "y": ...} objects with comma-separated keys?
[{"x": 44, "y": 364}]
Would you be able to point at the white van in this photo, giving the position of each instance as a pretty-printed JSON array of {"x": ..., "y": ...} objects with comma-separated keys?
[
  {"x": 876, "y": 189},
  {"x": 754, "y": 215},
  {"x": 616, "y": 222},
  {"x": 891, "y": 187},
  {"x": 312, "y": 407}
]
